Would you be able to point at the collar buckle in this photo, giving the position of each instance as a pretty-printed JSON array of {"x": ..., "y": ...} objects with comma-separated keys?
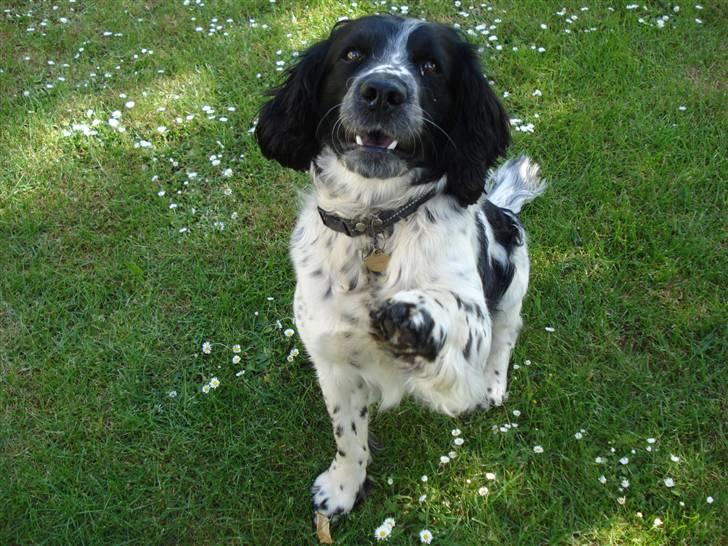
[{"x": 376, "y": 223}]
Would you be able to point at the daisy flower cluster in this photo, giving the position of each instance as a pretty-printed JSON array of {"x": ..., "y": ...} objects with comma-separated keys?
[
  {"x": 384, "y": 531},
  {"x": 276, "y": 330},
  {"x": 628, "y": 463}
]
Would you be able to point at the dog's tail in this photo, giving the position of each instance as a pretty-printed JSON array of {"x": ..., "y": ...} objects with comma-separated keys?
[{"x": 514, "y": 184}]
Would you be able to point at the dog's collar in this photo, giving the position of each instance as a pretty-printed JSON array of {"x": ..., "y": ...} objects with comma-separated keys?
[{"x": 375, "y": 223}]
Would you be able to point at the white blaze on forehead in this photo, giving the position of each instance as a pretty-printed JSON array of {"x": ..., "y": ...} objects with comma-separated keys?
[{"x": 394, "y": 58}]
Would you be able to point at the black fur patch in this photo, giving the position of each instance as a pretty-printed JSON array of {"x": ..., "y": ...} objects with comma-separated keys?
[
  {"x": 466, "y": 351},
  {"x": 496, "y": 276},
  {"x": 506, "y": 227}
]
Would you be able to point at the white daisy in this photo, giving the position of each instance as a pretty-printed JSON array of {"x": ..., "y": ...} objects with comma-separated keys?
[
  {"x": 288, "y": 332},
  {"x": 382, "y": 532},
  {"x": 455, "y": 432},
  {"x": 669, "y": 482},
  {"x": 458, "y": 441},
  {"x": 389, "y": 522},
  {"x": 537, "y": 449},
  {"x": 444, "y": 459},
  {"x": 236, "y": 359},
  {"x": 602, "y": 479},
  {"x": 206, "y": 388},
  {"x": 207, "y": 347},
  {"x": 236, "y": 348},
  {"x": 214, "y": 382},
  {"x": 490, "y": 476},
  {"x": 483, "y": 491},
  {"x": 624, "y": 460},
  {"x": 425, "y": 536},
  {"x": 657, "y": 522},
  {"x": 674, "y": 458}
]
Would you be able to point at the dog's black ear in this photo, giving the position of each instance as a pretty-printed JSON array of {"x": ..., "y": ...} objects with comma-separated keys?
[
  {"x": 481, "y": 132},
  {"x": 287, "y": 122}
]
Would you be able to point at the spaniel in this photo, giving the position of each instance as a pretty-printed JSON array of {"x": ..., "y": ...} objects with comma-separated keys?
[{"x": 411, "y": 263}]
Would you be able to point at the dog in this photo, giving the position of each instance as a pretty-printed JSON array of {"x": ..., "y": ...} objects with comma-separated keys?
[{"x": 411, "y": 263}]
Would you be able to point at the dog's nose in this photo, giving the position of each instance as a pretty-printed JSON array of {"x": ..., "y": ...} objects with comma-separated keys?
[{"x": 382, "y": 93}]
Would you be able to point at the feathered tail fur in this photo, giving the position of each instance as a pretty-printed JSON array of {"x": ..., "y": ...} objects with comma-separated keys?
[{"x": 514, "y": 184}]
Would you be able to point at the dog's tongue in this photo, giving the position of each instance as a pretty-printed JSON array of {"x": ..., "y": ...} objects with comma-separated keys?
[{"x": 380, "y": 140}]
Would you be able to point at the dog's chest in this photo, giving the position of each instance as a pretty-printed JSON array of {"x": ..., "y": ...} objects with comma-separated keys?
[{"x": 336, "y": 291}]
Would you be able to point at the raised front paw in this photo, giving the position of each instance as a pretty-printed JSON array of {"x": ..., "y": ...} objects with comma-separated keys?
[
  {"x": 337, "y": 491},
  {"x": 409, "y": 329}
]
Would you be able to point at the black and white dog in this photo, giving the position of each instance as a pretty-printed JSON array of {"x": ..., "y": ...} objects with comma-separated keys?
[{"x": 409, "y": 279}]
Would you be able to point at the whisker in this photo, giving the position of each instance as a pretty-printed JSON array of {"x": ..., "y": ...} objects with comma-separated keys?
[
  {"x": 326, "y": 114},
  {"x": 428, "y": 119}
]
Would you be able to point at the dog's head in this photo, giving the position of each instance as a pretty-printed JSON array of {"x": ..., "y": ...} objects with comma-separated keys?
[{"x": 389, "y": 95}]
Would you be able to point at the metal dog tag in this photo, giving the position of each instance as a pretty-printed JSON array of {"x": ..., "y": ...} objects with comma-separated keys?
[{"x": 377, "y": 261}]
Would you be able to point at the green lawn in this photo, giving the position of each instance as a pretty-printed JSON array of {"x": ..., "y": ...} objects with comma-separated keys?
[{"x": 117, "y": 263}]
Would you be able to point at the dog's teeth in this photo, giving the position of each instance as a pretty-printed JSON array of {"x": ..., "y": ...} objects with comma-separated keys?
[
  {"x": 392, "y": 146},
  {"x": 359, "y": 141}
]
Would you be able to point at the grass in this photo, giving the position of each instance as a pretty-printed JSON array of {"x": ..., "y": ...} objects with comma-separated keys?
[{"x": 105, "y": 303}]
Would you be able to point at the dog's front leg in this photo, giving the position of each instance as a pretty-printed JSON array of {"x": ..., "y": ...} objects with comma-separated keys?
[
  {"x": 344, "y": 483},
  {"x": 443, "y": 338}
]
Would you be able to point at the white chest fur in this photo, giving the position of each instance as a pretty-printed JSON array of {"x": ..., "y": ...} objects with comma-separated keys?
[{"x": 335, "y": 293}]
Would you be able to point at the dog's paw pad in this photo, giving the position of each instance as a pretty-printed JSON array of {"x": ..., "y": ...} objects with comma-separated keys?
[{"x": 408, "y": 328}]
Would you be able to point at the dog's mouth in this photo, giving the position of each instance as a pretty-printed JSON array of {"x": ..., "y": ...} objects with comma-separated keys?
[{"x": 378, "y": 142}]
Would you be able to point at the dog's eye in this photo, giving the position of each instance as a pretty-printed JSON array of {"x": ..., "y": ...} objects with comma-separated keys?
[
  {"x": 353, "y": 55},
  {"x": 429, "y": 67}
]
